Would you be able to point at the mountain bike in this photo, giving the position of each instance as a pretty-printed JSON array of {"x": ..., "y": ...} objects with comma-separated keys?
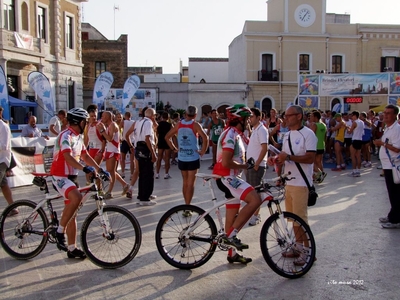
[
  {"x": 110, "y": 235},
  {"x": 189, "y": 240}
]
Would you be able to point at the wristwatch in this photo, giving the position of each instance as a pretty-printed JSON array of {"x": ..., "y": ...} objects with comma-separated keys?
[
  {"x": 288, "y": 157},
  {"x": 101, "y": 131}
]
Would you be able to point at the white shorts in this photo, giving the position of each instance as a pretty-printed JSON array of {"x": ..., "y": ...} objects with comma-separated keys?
[
  {"x": 234, "y": 187},
  {"x": 63, "y": 185}
]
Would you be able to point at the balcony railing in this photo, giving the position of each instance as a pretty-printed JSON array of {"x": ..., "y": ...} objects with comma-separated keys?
[
  {"x": 8, "y": 39},
  {"x": 264, "y": 75}
]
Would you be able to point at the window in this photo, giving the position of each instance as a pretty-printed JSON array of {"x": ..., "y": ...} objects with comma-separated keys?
[
  {"x": 9, "y": 15},
  {"x": 41, "y": 23},
  {"x": 337, "y": 66},
  {"x": 69, "y": 21},
  {"x": 24, "y": 15},
  {"x": 85, "y": 36},
  {"x": 100, "y": 68},
  {"x": 304, "y": 62},
  {"x": 390, "y": 64},
  {"x": 267, "y": 63}
]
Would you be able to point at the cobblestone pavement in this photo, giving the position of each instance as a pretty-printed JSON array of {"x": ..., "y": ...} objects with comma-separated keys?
[{"x": 357, "y": 259}]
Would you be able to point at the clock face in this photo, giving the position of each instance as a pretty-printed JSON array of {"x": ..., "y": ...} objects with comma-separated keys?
[{"x": 304, "y": 15}]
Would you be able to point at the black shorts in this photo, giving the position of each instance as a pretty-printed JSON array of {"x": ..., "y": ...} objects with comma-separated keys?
[
  {"x": 365, "y": 142},
  {"x": 347, "y": 142},
  {"x": 356, "y": 144},
  {"x": 320, "y": 151},
  {"x": 124, "y": 147},
  {"x": 189, "y": 165}
]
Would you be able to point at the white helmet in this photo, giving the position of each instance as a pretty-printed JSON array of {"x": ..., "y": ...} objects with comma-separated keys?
[{"x": 76, "y": 115}]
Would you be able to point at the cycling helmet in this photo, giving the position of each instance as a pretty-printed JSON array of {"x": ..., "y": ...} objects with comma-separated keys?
[
  {"x": 76, "y": 115},
  {"x": 238, "y": 112}
]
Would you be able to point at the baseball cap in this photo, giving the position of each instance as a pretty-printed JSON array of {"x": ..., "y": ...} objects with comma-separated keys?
[{"x": 338, "y": 115}]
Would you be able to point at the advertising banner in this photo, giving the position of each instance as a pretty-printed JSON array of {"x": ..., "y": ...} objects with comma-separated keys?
[
  {"x": 142, "y": 98},
  {"x": 395, "y": 100},
  {"x": 394, "y": 79},
  {"x": 31, "y": 155},
  {"x": 130, "y": 87},
  {"x": 101, "y": 88},
  {"x": 4, "y": 95},
  {"x": 353, "y": 84},
  {"x": 309, "y": 103},
  {"x": 41, "y": 85},
  {"x": 308, "y": 84}
]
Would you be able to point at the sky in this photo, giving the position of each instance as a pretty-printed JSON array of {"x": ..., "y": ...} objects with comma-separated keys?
[{"x": 162, "y": 33}]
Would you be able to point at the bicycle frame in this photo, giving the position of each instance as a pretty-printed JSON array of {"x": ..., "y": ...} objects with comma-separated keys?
[{"x": 217, "y": 204}]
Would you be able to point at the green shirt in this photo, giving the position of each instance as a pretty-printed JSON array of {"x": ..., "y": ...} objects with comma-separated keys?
[{"x": 320, "y": 133}]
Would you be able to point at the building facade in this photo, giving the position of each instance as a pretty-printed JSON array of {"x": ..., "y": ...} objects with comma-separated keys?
[
  {"x": 45, "y": 36},
  {"x": 99, "y": 55},
  {"x": 301, "y": 38}
]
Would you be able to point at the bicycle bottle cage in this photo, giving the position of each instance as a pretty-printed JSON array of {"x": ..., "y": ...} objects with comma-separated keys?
[{"x": 39, "y": 181}]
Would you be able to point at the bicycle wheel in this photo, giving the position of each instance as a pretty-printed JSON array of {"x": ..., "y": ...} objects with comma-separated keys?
[
  {"x": 190, "y": 251},
  {"x": 122, "y": 245},
  {"x": 280, "y": 248},
  {"x": 22, "y": 235}
]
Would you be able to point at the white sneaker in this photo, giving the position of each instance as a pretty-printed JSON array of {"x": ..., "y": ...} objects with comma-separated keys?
[
  {"x": 157, "y": 176},
  {"x": 368, "y": 165},
  {"x": 147, "y": 203},
  {"x": 152, "y": 197},
  {"x": 254, "y": 220},
  {"x": 167, "y": 176},
  {"x": 363, "y": 163}
]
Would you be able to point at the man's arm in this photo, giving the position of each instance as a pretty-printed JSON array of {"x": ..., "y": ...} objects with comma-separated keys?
[
  {"x": 229, "y": 163},
  {"x": 168, "y": 138},
  {"x": 52, "y": 130},
  {"x": 263, "y": 152},
  {"x": 199, "y": 129},
  {"x": 353, "y": 126}
]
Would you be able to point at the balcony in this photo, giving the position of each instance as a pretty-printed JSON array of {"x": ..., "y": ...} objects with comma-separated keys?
[
  {"x": 24, "y": 44},
  {"x": 264, "y": 75}
]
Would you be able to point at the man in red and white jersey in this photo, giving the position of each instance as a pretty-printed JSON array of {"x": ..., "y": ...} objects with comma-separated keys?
[
  {"x": 69, "y": 149},
  {"x": 110, "y": 131},
  {"x": 230, "y": 164}
]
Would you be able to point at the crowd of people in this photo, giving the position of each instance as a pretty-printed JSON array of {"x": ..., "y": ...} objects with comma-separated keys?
[{"x": 305, "y": 140}]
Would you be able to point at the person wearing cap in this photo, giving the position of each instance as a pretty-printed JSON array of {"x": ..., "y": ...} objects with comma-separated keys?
[
  {"x": 188, "y": 132},
  {"x": 340, "y": 128}
]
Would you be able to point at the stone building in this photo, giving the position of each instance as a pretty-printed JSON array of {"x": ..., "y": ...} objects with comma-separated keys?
[
  {"x": 100, "y": 54},
  {"x": 43, "y": 36},
  {"x": 301, "y": 38}
]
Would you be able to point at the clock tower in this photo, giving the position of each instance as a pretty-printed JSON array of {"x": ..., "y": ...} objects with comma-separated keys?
[{"x": 306, "y": 16}]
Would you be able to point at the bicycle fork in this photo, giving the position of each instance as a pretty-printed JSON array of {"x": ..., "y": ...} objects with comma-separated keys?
[
  {"x": 104, "y": 221},
  {"x": 284, "y": 232}
]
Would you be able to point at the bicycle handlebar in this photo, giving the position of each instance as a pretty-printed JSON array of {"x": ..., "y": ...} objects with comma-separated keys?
[{"x": 283, "y": 178}]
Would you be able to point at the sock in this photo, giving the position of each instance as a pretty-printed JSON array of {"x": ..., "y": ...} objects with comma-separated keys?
[
  {"x": 338, "y": 166},
  {"x": 232, "y": 232},
  {"x": 60, "y": 229},
  {"x": 231, "y": 252},
  {"x": 71, "y": 247}
]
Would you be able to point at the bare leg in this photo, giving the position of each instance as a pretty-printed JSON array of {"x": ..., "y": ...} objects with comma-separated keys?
[{"x": 7, "y": 193}]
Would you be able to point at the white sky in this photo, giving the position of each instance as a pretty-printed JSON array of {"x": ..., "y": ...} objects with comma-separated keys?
[{"x": 161, "y": 32}]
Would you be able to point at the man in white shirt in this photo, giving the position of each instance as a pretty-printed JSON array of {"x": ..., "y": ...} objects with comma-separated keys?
[
  {"x": 55, "y": 123},
  {"x": 257, "y": 149},
  {"x": 390, "y": 146},
  {"x": 299, "y": 147},
  {"x": 5, "y": 159}
]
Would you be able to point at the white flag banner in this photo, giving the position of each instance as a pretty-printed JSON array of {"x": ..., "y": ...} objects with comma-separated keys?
[
  {"x": 24, "y": 41},
  {"x": 101, "y": 88},
  {"x": 41, "y": 85},
  {"x": 130, "y": 87},
  {"x": 4, "y": 95}
]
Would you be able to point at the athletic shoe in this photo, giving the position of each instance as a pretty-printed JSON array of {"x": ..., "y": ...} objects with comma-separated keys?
[
  {"x": 336, "y": 169},
  {"x": 60, "y": 238},
  {"x": 76, "y": 253},
  {"x": 238, "y": 258},
  {"x": 389, "y": 225},
  {"x": 353, "y": 174},
  {"x": 129, "y": 194},
  {"x": 384, "y": 220},
  {"x": 363, "y": 163},
  {"x": 330, "y": 161},
  {"x": 379, "y": 167},
  {"x": 187, "y": 213},
  {"x": 322, "y": 177},
  {"x": 157, "y": 176},
  {"x": 152, "y": 197},
  {"x": 254, "y": 220},
  {"x": 174, "y": 162},
  {"x": 358, "y": 174},
  {"x": 167, "y": 176},
  {"x": 235, "y": 242},
  {"x": 13, "y": 212},
  {"x": 147, "y": 203},
  {"x": 108, "y": 196},
  {"x": 368, "y": 165},
  {"x": 125, "y": 189}
]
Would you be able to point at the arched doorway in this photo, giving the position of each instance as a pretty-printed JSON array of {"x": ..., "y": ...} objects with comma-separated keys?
[
  {"x": 266, "y": 105},
  {"x": 222, "y": 111},
  {"x": 206, "y": 109}
]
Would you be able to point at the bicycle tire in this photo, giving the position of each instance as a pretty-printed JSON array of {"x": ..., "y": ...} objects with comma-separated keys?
[
  {"x": 122, "y": 248},
  {"x": 200, "y": 244},
  {"x": 274, "y": 245},
  {"x": 28, "y": 241}
]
